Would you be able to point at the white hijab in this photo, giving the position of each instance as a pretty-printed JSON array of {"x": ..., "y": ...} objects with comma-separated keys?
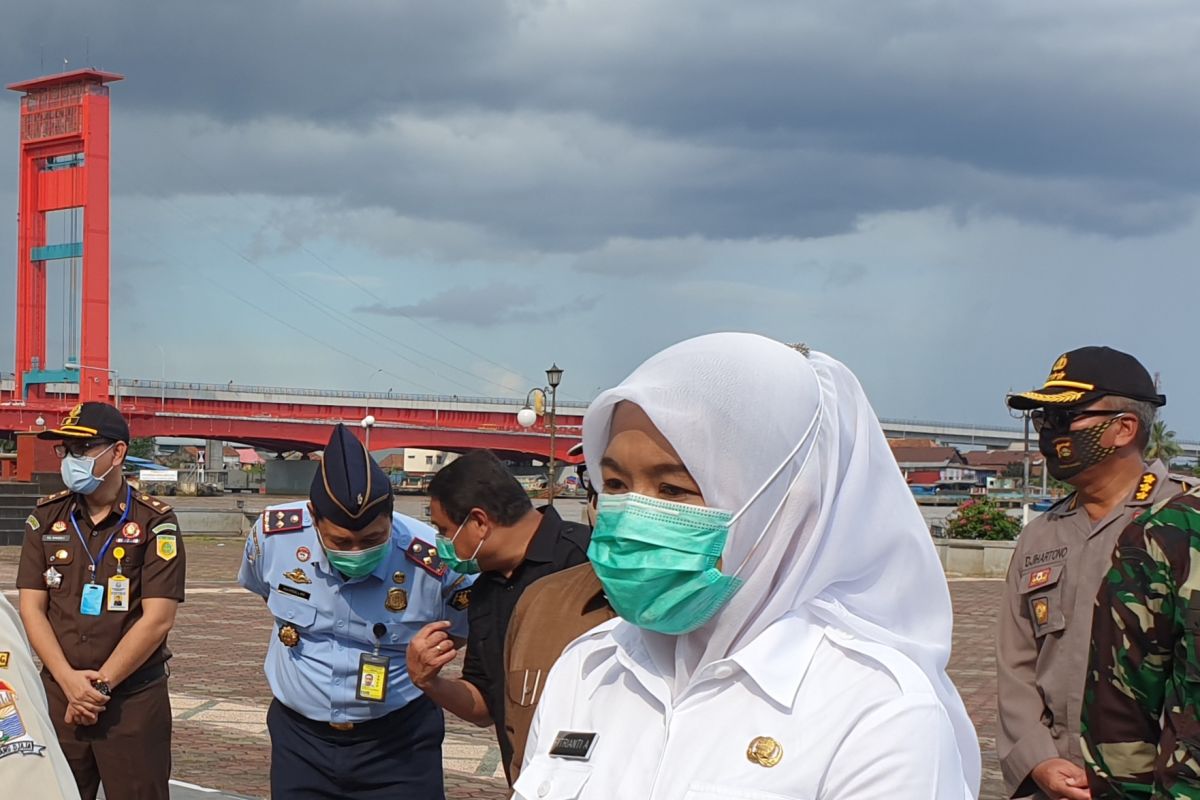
[{"x": 834, "y": 530}]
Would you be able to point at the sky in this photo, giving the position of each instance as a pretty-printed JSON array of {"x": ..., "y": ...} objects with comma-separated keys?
[{"x": 447, "y": 197}]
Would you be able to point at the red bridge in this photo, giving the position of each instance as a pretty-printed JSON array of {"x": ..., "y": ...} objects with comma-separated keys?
[{"x": 284, "y": 419}]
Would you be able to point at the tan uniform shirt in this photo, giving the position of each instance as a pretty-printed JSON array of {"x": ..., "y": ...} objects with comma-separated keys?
[
  {"x": 1045, "y": 626},
  {"x": 154, "y": 562},
  {"x": 552, "y": 613},
  {"x": 31, "y": 762}
]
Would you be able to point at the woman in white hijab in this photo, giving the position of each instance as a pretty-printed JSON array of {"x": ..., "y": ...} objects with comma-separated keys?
[{"x": 784, "y": 622}]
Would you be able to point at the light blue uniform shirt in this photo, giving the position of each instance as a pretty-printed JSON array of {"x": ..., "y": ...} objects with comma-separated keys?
[{"x": 318, "y": 677}]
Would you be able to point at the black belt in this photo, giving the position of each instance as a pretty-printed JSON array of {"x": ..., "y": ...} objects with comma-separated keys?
[
  {"x": 367, "y": 729},
  {"x": 142, "y": 678}
]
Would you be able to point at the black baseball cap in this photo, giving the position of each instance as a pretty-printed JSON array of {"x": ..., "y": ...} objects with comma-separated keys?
[
  {"x": 91, "y": 421},
  {"x": 1087, "y": 374}
]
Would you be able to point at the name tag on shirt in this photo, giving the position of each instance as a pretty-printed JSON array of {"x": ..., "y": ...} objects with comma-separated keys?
[
  {"x": 118, "y": 593},
  {"x": 576, "y": 745},
  {"x": 372, "y": 678},
  {"x": 92, "y": 600}
]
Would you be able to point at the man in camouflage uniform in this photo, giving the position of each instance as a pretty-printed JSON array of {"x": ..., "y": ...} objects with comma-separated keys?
[{"x": 1141, "y": 713}]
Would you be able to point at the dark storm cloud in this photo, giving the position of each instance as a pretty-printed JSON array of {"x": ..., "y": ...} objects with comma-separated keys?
[
  {"x": 478, "y": 306},
  {"x": 559, "y": 125}
]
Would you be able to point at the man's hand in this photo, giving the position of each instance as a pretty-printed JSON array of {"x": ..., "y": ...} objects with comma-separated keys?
[
  {"x": 1059, "y": 778},
  {"x": 429, "y": 651},
  {"x": 77, "y": 715},
  {"x": 77, "y": 686}
]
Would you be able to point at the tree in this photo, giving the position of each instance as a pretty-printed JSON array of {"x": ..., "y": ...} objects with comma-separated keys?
[
  {"x": 1015, "y": 470},
  {"x": 142, "y": 447},
  {"x": 1162, "y": 443},
  {"x": 982, "y": 519}
]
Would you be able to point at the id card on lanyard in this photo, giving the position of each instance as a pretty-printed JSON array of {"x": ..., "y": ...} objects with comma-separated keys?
[{"x": 91, "y": 602}]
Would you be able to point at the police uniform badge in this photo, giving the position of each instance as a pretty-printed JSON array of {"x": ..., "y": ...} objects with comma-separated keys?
[
  {"x": 764, "y": 751},
  {"x": 297, "y": 576},
  {"x": 1039, "y": 577},
  {"x": 461, "y": 600},
  {"x": 4, "y": 654},
  {"x": 289, "y": 635},
  {"x": 425, "y": 556},
  {"x": 165, "y": 546},
  {"x": 130, "y": 534},
  {"x": 303, "y": 554},
  {"x": 397, "y": 600},
  {"x": 53, "y": 578},
  {"x": 32, "y": 522},
  {"x": 1041, "y": 610},
  {"x": 59, "y": 526}
]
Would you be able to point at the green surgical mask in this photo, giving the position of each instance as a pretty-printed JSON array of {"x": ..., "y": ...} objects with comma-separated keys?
[
  {"x": 657, "y": 561},
  {"x": 357, "y": 563},
  {"x": 445, "y": 549}
]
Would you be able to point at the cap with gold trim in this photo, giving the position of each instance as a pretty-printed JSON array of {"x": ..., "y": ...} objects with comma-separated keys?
[
  {"x": 91, "y": 420},
  {"x": 350, "y": 489},
  {"x": 1087, "y": 374}
]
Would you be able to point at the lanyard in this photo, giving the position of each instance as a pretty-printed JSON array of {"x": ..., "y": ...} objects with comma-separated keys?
[{"x": 103, "y": 550}]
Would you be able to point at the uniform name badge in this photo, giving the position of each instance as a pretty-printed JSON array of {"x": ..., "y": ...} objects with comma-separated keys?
[
  {"x": 92, "y": 600},
  {"x": 372, "y": 677},
  {"x": 118, "y": 593}
]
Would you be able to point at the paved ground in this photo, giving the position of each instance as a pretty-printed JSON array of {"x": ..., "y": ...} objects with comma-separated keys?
[{"x": 219, "y": 694}]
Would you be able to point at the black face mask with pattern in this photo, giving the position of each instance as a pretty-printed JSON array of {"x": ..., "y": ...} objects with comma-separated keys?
[{"x": 1069, "y": 452}]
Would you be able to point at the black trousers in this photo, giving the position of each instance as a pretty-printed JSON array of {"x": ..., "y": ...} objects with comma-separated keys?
[
  {"x": 396, "y": 757},
  {"x": 129, "y": 749}
]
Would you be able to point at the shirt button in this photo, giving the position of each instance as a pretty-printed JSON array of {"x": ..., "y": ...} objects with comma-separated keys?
[
  {"x": 83, "y": 638},
  {"x": 291, "y": 615},
  {"x": 723, "y": 671},
  {"x": 337, "y": 681},
  {"x": 341, "y": 624},
  {"x": 544, "y": 789}
]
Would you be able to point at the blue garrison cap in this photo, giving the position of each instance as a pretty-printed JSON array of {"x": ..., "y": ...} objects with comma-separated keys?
[{"x": 350, "y": 489}]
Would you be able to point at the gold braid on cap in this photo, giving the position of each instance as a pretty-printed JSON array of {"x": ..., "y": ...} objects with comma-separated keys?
[{"x": 363, "y": 507}]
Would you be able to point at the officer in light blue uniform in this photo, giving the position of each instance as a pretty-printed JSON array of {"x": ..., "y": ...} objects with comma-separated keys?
[{"x": 349, "y": 582}]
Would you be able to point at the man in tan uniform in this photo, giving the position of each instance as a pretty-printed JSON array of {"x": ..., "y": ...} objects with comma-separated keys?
[
  {"x": 31, "y": 762},
  {"x": 1093, "y": 418},
  {"x": 101, "y": 575}
]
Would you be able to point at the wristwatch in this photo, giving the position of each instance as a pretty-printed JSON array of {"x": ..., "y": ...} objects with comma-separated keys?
[{"x": 102, "y": 688}]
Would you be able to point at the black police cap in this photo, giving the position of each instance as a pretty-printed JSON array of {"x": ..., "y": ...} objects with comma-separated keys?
[
  {"x": 91, "y": 420},
  {"x": 350, "y": 489},
  {"x": 1087, "y": 374}
]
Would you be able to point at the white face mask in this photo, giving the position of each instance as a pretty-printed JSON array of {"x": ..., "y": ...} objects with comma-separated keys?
[{"x": 77, "y": 472}]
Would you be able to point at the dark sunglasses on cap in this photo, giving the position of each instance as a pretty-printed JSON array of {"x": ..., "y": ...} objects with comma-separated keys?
[
  {"x": 1060, "y": 419},
  {"x": 79, "y": 449}
]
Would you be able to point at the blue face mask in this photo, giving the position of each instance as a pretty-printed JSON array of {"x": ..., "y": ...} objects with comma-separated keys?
[
  {"x": 657, "y": 561},
  {"x": 77, "y": 474},
  {"x": 445, "y": 549}
]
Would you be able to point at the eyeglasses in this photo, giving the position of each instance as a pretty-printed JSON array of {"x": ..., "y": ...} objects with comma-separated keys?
[
  {"x": 1061, "y": 419},
  {"x": 79, "y": 449}
]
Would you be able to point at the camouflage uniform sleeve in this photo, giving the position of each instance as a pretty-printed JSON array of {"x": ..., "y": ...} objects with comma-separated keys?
[{"x": 1139, "y": 633}]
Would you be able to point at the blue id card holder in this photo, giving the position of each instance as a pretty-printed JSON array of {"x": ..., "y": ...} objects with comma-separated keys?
[{"x": 92, "y": 600}]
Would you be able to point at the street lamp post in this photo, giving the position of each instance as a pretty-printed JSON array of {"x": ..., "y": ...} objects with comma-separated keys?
[
  {"x": 368, "y": 422},
  {"x": 116, "y": 381},
  {"x": 528, "y": 415}
]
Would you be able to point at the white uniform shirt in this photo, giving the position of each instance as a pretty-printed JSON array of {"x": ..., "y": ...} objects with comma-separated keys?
[
  {"x": 854, "y": 720},
  {"x": 32, "y": 764}
]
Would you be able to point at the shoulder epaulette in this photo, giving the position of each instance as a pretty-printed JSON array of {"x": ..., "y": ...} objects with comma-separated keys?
[
  {"x": 425, "y": 556},
  {"x": 1145, "y": 486},
  {"x": 1186, "y": 482},
  {"x": 282, "y": 520},
  {"x": 52, "y": 498},
  {"x": 153, "y": 502}
]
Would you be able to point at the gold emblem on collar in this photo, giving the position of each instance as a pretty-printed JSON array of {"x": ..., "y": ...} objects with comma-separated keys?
[
  {"x": 297, "y": 576},
  {"x": 764, "y": 751},
  {"x": 1145, "y": 487}
]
